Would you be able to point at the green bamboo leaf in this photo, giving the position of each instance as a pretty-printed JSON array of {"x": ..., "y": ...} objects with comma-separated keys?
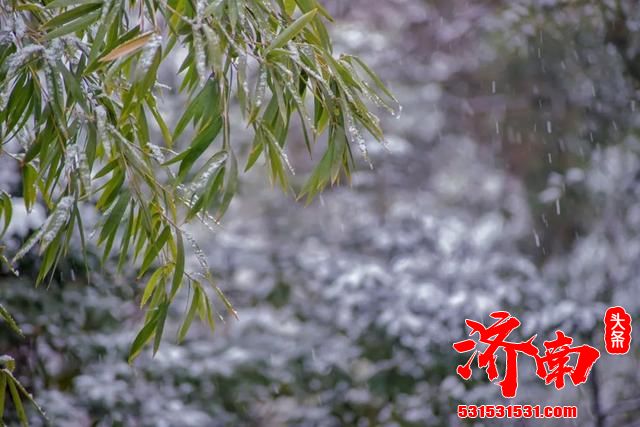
[
  {"x": 162, "y": 317},
  {"x": 256, "y": 149},
  {"x": 6, "y": 212},
  {"x": 112, "y": 222},
  {"x": 241, "y": 83},
  {"x": 212, "y": 188},
  {"x": 144, "y": 336},
  {"x": 154, "y": 249},
  {"x": 155, "y": 278},
  {"x": 178, "y": 272},
  {"x": 226, "y": 302},
  {"x": 29, "y": 176},
  {"x": 50, "y": 253},
  {"x": 79, "y": 24},
  {"x": 193, "y": 308},
  {"x": 292, "y": 30},
  {"x": 199, "y": 144},
  {"x": 164, "y": 129},
  {"x": 3, "y": 390},
  {"x": 111, "y": 190},
  {"x": 307, "y": 5},
  {"x": 35, "y": 148},
  {"x": 320, "y": 175},
  {"x": 72, "y": 83},
  {"x": 159, "y": 295},
  {"x": 232, "y": 7},
  {"x": 70, "y": 15},
  {"x": 230, "y": 187},
  {"x": 107, "y": 168},
  {"x": 99, "y": 40},
  {"x": 19, "y": 102},
  {"x": 215, "y": 7},
  {"x": 65, "y": 3},
  {"x": 289, "y": 6},
  {"x": 6, "y": 316},
  {"x": 208, "y": 312},
  {"x": 87, "y": 100},
  {"x": 372, "y": 75},
  {"x": 127, "y": 237},
  {"x": 21, "y": 390},
  {"x": 22, "y": 415},
  {"x": 149, "y": 78},
  {"x": 208, "y": 96}
]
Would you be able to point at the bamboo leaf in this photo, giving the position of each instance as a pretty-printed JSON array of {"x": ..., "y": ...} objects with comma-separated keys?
[
  {"x": 128, "y": 47},
  {"x": 193, "y": 308},
  {"x": 3, "y": 391},
  {"x": 21, "y": 390},
  {"x": 372, "y": 75},
  {"x": 29, "y": 176},
  {"x": 289, "y": 6},
  {"x": 155, "y": 278},
  {"x": 162, "y": 317},
  {"x": 199, "y": 144},
  {"x": 178, "y": 271},
  {"x": 154, "y": 249},
  {"x": 112, "y": 223},
  {"x": 22, "y": 415},
  {"x": 206, "y": 304},
  {"x": 65, "y": 3},
  {"x": 6, "y": 316},
  {"x": 77, "y": 25},
  {"x": 208, "y": 96},
  {"x": 72, "y": 14},
  {"x": 144, "y": 336},
  {"x": 292, "y": 30},
  {"x": 6, "y": 212},
  {"x": 78, "y": 86},
  {"x": 231, "y": 185}
]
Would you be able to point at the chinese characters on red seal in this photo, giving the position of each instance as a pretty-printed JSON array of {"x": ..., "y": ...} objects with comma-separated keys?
[
  {"x": 558, "y": 360},
  {"x": 617, "y": 330}
]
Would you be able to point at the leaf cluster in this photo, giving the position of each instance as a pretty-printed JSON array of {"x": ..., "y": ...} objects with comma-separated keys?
[{"x": 79, "y": 96}]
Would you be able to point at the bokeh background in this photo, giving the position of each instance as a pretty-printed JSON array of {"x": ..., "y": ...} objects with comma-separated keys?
[{"x": 511, "y": 181}]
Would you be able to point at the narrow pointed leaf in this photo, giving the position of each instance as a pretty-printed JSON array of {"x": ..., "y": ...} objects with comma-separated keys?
[
  {"x": 128, "y": 47},
  {"x": 292, "y": 30}
]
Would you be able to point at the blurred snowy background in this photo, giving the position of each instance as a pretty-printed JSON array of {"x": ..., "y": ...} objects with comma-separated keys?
[{"x": 511, "y": 182}]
